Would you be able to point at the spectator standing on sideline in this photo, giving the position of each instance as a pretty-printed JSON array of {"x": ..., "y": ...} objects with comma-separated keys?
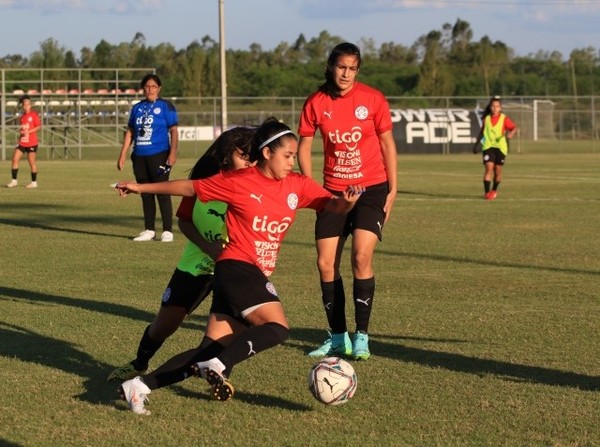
[
  {"x": 355, "y": 123},
  {"x": 152, "y": 130},
  {"x": 28, "y": 143},
  {"x": 496, "y": 130},
  {"x": 204, "y": 225},
  {"x": 246, "y": 316}
]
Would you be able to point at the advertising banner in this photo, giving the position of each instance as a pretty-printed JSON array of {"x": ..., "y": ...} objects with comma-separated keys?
[
  {"x": 197, "y": 133},
  {"x": 435, "y": 130}
]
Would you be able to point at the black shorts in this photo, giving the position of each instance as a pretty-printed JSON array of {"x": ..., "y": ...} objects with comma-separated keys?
[
  {"x": 493, "y": 155},
  {"x": 186, "y": 290},
  {"x": 27, "y": 150},
  {"x": 146, "y": 168},
  {"x": 367, "y": 214},
  {"x": 239, "y": 288}
]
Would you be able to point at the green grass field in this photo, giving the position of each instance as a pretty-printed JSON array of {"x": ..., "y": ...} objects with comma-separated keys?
[{"x": 485, "y": 330}]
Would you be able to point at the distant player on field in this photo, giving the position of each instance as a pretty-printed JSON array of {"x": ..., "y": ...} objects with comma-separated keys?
[
  {"x": 28, "y": 143},
  {"x": 496, "y": 130}
]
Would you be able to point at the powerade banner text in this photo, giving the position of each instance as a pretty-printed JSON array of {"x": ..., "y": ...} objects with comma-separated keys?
[{"x": 435, "y": 130}]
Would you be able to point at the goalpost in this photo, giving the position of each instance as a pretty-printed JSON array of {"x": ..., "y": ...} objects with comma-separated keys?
[{"x": 543, "y": 119}]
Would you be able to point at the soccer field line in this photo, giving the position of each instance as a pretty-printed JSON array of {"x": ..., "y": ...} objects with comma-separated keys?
[
  {"x": 592, "y": 178},
  {"x": 410, "y": 198},
  {"x": 557, "y": 177}
]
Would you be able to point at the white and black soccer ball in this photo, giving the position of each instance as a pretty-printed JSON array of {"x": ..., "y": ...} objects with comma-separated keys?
[{"x": 332, "y": 381}]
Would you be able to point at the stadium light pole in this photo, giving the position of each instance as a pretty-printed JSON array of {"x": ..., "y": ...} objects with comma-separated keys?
[{"x": 223, "y": 65}]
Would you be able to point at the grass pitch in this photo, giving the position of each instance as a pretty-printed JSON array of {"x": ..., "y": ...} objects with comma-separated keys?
[{"x": 485, "y": 329}]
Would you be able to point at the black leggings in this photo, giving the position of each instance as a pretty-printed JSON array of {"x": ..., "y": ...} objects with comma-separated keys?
[{"x": 146, "y": 170}]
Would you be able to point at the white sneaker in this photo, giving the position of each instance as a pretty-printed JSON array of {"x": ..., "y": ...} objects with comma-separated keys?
[
  {"x": 212, "y": 370},
  {"x": 12, "y": 184},
  {"x": 203, "y": 369},
  {"x": 167, "y": 236},
  {"x": 135, "y": 392},
  {"x": 146, "y": 235},
  {"x": 31, "y": 185}
]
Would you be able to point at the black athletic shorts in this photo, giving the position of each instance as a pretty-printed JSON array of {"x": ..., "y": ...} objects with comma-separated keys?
[
  {"x": 367, "y": 214},
  {"x": 146, "y": 168},
  {"x": 27, "y": 150},
  {"x": 186, "y": 290},
  {"x": 239, "y": 288},
  {"x": 493, "y": 155}
]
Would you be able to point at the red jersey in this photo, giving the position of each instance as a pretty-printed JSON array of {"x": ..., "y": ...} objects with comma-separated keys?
[
  {"x": 186, "y": 208},
  {"x": 260, "y": 211},
  {"x": 29, "y": 120},
  {"x": 508, "y": 124},
  {"x": 350, "y": 127}
]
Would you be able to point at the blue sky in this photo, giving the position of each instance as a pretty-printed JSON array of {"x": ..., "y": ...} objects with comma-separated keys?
[{"x": 526, "y": 26}]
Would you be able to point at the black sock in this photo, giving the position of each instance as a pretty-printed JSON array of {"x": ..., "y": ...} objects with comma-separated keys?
[
  {"x": 496, "y": 184},
  {"x": 486, "y": 186},
  {"x": 146, "y": 350},
  {"x": 250, "y": 342},
  {"x": 179, "y": 367},
  {"x": 14, "y": 173},
  {"x": 334, "y": 301},
  {"x": 364, "y": 291},
  {"x": 328, "y": 298},
  {"x": 208, "y": 349},
  {"x": 174, "y": 370},
  {"x": 34, "y": 176}
]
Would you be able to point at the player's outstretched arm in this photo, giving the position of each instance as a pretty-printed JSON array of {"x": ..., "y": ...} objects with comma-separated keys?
[{"x": 172, "y": 188}]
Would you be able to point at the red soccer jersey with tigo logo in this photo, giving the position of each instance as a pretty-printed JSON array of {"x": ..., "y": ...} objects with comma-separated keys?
[
  {"x": 350, "y": 128},
  {"x": 29, "y": 120},
  {"x": 260, "y": 211}
]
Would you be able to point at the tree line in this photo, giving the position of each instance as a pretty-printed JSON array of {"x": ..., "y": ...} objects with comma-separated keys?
[{"x": 443, "y": 62}]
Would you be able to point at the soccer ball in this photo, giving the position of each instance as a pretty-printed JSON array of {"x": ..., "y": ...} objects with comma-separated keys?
[{"x": 332, "y": 381}]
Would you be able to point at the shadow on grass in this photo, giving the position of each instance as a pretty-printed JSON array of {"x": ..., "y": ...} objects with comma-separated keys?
[
  {"x": 42, "y": 216},
  {"x": 438, "y": 195},
  {"x": 28, "y": 346},
  {"x": 458, "y": 362},
  {"x": 93, "y": 305},
  {"x": 483, "y": 262},
  {"x": 262, "y": 400},
  {"x": 32, "y": 347},
  {"x": 53, "y": 225},
  {"x": 477, "y": 262},
  {"x": 6, "y": 443}
]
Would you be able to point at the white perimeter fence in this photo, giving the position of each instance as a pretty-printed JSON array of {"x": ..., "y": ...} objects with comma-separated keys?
[{"x": 80, "y": 115}]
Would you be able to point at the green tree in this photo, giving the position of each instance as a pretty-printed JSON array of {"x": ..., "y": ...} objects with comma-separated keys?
[
  {"x": 583, "y": 61},
  {"x": 491, "y": 58},
  {"x": 191, "y": 62},
  {"x": 317, "y": 49},
  {"x": 434, "y": 79},
  {"x": 102, "y": 59},
  {"x": 396, "y": 54}
]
